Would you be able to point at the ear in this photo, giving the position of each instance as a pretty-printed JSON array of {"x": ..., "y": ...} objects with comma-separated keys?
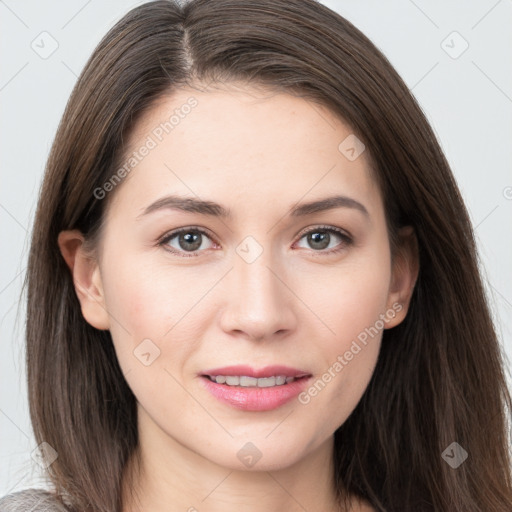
[
  {"x": 86, "y": 278},
  {"x": 404, "y": 275}
]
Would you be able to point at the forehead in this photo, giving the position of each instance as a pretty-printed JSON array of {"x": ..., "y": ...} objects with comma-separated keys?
[{"x": 250, "y": 146}]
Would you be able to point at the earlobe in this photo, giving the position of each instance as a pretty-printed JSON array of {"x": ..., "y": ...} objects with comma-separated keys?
[
  {"x": 404, "y": 275},
  {"x": 86, "y": 276}
]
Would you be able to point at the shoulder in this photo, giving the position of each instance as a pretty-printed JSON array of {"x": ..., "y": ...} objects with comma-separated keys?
[{"x": 34, "y": 500}]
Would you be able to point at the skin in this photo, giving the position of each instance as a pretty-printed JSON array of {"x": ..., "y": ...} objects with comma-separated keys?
[{"x": 257, "y": 153}]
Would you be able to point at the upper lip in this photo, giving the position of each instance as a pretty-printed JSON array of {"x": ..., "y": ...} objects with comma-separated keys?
[{"x": 267, "y": 371}]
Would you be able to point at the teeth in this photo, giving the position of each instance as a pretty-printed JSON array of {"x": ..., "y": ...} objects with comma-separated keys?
[
  {"x": 281, "y": 380},
  {"x": 249, "y": 382}
]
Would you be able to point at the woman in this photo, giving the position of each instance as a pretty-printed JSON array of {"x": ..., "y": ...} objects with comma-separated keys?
[{"x": 253, "y": 282}]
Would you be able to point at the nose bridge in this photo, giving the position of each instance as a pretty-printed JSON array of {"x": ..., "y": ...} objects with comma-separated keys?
[
  {"x": 258, "y": 303},
  {"x": 252, "y": 272}
]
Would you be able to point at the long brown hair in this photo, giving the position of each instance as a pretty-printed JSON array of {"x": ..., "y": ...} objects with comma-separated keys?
[{"x": 440, "y": 376}]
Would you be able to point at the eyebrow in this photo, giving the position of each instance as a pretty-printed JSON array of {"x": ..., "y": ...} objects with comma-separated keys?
[{"x": 189, "y": 204}]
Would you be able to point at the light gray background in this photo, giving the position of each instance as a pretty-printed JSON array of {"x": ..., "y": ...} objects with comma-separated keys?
[{"x": 468, "y": 100}]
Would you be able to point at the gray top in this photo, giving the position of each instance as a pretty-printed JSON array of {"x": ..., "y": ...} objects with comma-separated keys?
[{"x": 31, "y": 500}]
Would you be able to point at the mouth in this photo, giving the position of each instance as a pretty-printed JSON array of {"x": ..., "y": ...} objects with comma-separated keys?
[
  {"x": 248, "y": 377},
  {"x": 246, "y": 381},
  {"x": 249, "y": 389}
]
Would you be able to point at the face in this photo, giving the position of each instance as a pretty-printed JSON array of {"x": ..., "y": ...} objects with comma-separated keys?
[{"x": 257, "y": 286}]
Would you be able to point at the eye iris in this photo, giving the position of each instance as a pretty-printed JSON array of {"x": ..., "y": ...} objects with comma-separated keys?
[
  {"x": 319, "y": 239},
  {"x": 190, "y": 238}
]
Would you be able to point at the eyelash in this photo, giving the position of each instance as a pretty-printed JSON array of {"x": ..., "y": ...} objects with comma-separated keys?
[{"x": 164, "y": 240}]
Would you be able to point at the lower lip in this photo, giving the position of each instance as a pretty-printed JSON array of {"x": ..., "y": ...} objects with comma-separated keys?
[{"x": 253, "y": 398}]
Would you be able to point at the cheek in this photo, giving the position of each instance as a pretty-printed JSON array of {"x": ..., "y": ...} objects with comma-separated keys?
[
  {"x": 145, "y": 303},
  {"x": 352, "y": 309},
  {"x": 149, "y": 298},
  {"x": 350, "y": 296},
  {"x": 156, "y": 302}
]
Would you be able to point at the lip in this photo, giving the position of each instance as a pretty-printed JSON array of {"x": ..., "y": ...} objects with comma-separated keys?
[
  {"x": 254, "y": 398},
  {"x": 267, "y": 371}
]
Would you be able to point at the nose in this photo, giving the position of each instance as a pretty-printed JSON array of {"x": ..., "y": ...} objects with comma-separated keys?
[{"x": 258, "y": 303}]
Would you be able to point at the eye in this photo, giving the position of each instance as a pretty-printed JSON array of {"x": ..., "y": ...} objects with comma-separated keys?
[
  {"x": 191, "y": 240},
  {"x": 321, "y": 237},
  {"x": 185, "y": 240}
]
